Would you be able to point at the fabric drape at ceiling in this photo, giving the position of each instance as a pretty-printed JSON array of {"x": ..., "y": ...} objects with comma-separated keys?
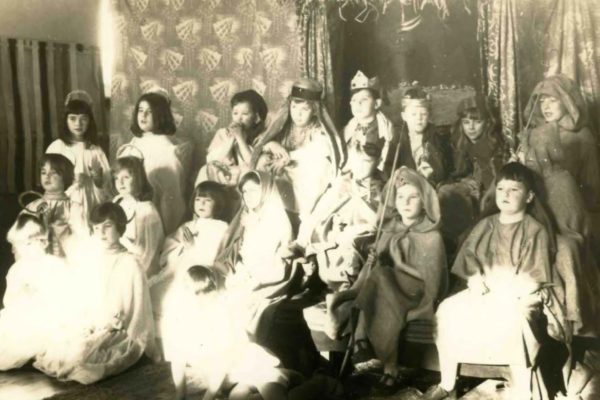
[
  {"x": 573, "y": 48},
  {"x": 35, "y": 78},
  {"x": 315, "y": 52},
  {"x": 202, "y": 52}
]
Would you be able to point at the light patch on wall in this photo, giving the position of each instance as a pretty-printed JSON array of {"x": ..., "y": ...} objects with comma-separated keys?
[{"x": 107, "y": 45}]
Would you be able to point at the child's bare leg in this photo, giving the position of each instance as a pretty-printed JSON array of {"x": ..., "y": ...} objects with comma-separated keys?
[
  {"x": 272, "y": 391},
  {"x": 448, "y": 371},
  {"x": 241, "y": 391},
  {"x": 521, "y": 382}
]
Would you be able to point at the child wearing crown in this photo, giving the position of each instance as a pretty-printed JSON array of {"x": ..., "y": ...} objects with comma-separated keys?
[{"x": 368, "y": 124}]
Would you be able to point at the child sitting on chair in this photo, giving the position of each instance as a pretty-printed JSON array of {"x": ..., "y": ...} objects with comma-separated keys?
[
  {"x": 205, "y": 341},
  {"x": 506, "y": 262},
  {"x": 368, "y": 124},
  {"x": 230, "y": 151}
]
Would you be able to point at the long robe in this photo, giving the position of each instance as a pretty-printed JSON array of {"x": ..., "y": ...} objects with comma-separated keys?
[
  {"x": 166, "y": 175},
  {"x": 254, "y": 256},
  {"x": 85, "y": 159},
  {"x": 144, "y": 234},
  {"x": 409, "y": 275},
  {"x": 175, "y": 259},
  {"x": 111, "y": 324}
]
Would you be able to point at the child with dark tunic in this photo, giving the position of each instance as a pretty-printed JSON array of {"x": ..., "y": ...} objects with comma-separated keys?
[{"x": 506, "y": 262}]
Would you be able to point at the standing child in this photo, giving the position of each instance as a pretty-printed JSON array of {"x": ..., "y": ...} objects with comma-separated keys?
[
  {"x": 196, "y": 242},
  {"x": 205, "y": 338},
  {"x": 301, "y": 147},
  {"x": 230, "y": 151},
  {"x": 62, "y": 216},
  {"x": 368, "y": 124},
  {"x": 31, "y": 285},
  {"x": 78, "y": 142},
  {"x": 506, "y": 263},
  {"x": 422, "y": 148},
  {"x": 144, "y": 234},
  {"x": 152, "y": 125}
]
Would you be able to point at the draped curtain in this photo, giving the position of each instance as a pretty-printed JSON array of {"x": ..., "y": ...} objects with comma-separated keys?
[
  {"x": 315, "y": 49},
  {"x": 521, "y": 41},
  {"x": 35, "y": 78},
  {"x": 202, "y": 52},
  {"x": 573, "y": 48}
]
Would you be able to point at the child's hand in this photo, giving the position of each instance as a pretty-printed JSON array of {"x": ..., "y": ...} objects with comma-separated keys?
[
  {"x": 188, "y": 237},
  {"x": 236, "y": 131},
  {"x": 278, "y": 151},
  {"x": 425, "y": 169}
]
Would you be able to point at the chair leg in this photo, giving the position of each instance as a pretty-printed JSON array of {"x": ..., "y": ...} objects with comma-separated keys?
[{"x": 353, "y": 323}]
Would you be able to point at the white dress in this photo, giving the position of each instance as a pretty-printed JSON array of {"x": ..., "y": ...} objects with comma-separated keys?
[
  {"x": 144, "y": 234},
  {"x": 175, "y": 259},
  {"x": 165, "y": 173},
  {"x": 85, "y": 159}
]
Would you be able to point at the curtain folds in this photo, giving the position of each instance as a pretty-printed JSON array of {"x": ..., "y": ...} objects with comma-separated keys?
[{"x": 35, "y": 78}]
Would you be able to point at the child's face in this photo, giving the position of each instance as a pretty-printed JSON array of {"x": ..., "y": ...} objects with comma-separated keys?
[
  {"x": 145, "y": 119},
  {"x": 251, "y": 194},
  {"x": 473, "y": 128},
  {"x": 301, "y": 113},
  {"x": 204, "y": 207},
  {"x": 125, "y": 183},
  {"x": 78, "y": 125},
  {"x": 416, "y": 118},
  {"x": 106, "y": 233},
  {"x": 244, "y": 115},
  {"x": 363, "y": 104},
  {"x": 51, "y": 180},
  {"x": 552, "y": 109},
  {"x": 409, "y": 203},
  {"x": 512, "y": 197},
  {"x": 361, "y": 165}
]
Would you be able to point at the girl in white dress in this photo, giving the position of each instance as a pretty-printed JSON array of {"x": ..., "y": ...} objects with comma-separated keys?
[
  {"x": 78, "y": 142},
  {"x": 153, "y": 125},
  {"x": 144, "y": 234}
]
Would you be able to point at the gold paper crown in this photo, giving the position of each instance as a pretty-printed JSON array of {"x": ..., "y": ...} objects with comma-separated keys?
[{"x": 360, "y": 81}]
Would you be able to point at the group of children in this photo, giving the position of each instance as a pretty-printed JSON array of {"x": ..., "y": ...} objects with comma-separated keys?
[{"x": 107, "y": 270}]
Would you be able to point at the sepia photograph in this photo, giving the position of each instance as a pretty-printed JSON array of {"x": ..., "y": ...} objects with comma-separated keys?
[{"x": 299, "y": 199}]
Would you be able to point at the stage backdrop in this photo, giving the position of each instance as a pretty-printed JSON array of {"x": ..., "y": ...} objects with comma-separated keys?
[{"x": 201, "y": 52}]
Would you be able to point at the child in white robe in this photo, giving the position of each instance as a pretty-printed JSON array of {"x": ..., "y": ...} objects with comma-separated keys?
[
  {"x": 144, "y": 234},
  {"x": 153, "y": 125},
  {"x": 110, "y": 326},
  {"x": 211, "y": 348},
  {"x": 196, "y": 242},
  {"x": 78, "y": 142},
  {"x": 31, "y": 286}
]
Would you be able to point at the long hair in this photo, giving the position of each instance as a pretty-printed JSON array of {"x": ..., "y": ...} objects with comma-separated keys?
[
  {"x": 78, "y": 107},
  {"x": 135, "y": 167}
]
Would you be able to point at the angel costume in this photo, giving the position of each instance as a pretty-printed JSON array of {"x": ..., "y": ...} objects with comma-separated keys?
[
  {"x": 176, "y": 257},
  {"x": 166, "y": 175},
  {"x": 144, "y": 234},
  {"x": 315, "y": 151},
  {"x": 86, "y": 157},
  {"x": 110, "y": 328},
  {"x": 30, "y": 302},
  {"x": 253, "y": 256}
]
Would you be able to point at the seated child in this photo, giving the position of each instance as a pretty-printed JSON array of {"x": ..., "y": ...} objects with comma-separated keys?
[
  {"x": 230, "y": 151},
  {"x": 111, "y": 326},
  {"x": 208, "y": 347},
  {"x": 368, "y": 124},
  {"x": 301, "y": 147},
  {"x": 254, "y": 256},
  {"x": 343, "y": 222},
  {"x": 62, "y": 216},
  {"x": 144, "y": 234},
  {"x": 196, "y": 242},
  {"x": 506, "y": 264},
  {"x": 409, "y": 276},
  {"x": 31, "y": 286},
  {"x": 422, "y": 148}
]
